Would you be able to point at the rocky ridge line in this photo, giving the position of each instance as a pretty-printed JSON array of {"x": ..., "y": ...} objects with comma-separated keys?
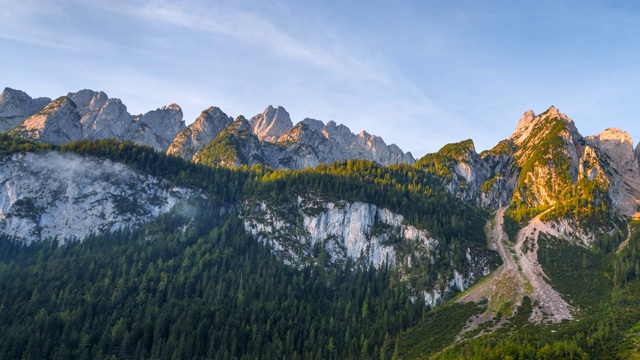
[{"x": 279, "y": 143}]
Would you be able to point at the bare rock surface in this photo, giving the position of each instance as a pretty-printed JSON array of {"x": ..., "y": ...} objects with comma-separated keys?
[
  {"x": 101, "y": 117},
  {"x": 271, "y": 124},
  {"x": 65, "y": 196},
  {"x": 156, "y": 128},
  {"x": 16, "y": 106},
  {"x": 57, "y": 123}
]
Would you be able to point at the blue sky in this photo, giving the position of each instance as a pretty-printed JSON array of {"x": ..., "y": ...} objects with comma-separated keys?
[{"x": 418, "y": 73}]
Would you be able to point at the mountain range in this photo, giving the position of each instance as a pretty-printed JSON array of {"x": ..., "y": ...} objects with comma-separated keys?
[
  {"x": 526, "y": 250},
  {"x": 269, "y": 138}
]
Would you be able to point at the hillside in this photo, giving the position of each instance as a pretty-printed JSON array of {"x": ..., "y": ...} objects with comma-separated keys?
[
  {"x": 189, "y": 257},
  {"x": 262, "y": 238}
]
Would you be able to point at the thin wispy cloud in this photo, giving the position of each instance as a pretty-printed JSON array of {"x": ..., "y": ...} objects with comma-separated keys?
[
  {"x": 256, "y": 30},
  {"x": 39, "y": 23}
]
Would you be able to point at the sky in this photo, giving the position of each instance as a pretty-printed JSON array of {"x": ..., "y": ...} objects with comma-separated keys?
[{"x": 419, "y": 74}]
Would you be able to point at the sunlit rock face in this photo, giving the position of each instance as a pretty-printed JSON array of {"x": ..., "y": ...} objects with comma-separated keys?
[
  {"x": 16, "y": 106},
  {"x": 57, "y": 123}
]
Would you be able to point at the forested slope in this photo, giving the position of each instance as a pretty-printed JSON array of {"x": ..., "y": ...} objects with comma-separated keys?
[{"x": 194, "y": 284}]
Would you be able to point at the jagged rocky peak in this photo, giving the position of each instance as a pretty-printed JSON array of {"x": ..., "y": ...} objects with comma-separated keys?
[
  {"x": 271, "y": 124},
  {"x": 529, "y": 122},
  {"x": 57, "y": 123},
  {"x": 236, "y": 145},
  {"x": 240, "y": 125},
  {"x": 617, "y": 147},
  {"x": 190, "y": 141},
  {"x": 16, "y": 105},
  {"x": 101, "y": 117},
  {"x": 302, "y": 132},
  {"x": 157, "y": 128},
  {"x": 524, "y": 127},
  {"x": 339, "y": 134},
  {"x": 616, "y": 143},
  {"x": 88, "y": 100}
]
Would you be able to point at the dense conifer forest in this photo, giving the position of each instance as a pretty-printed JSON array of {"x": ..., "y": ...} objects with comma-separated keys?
[{"x": 193, "y": 284}]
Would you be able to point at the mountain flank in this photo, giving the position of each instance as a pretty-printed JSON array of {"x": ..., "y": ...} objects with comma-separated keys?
[{"x": 136, "y": 236}]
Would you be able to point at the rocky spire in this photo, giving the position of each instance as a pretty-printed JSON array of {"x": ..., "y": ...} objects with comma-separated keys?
[{"x": 271, "y": 124}]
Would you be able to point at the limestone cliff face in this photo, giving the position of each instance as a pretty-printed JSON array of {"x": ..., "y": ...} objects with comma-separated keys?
[
  {"x": 16, "y": 105},
  {"x": 365, "y": 234},
  {"x": 57, "y": 123},
  {"x": 312, "y": 142},
  {"x": 90, "y": 115},
  {"x": 615, "y": 148},
  {"x": 486, "y": 179},
  {"x": 189, "y": 142},
  {"x": 236, "y": 145},
  {"x": 548, "y": 155},
  {"x": 66, "y": 196}
]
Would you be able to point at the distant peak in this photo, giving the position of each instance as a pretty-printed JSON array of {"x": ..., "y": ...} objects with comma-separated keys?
[
  {"x": 615, "y": 135},
  {"x": 61, "y": 101},
  {"x": 271, "y": 124},
  {"x": 529, "y": 120},
  {"x": 9, "y": 93}
]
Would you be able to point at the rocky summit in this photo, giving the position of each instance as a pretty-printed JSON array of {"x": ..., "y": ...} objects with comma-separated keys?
[{"x": 16, "y": 105}]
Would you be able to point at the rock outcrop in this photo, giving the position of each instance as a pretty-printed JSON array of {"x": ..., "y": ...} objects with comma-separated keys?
[
  {"x": 364, "y": 234},
  {"x": 236, "y": 145},
  {"x": 65, "y": 196},
  {"x": 271, "y": 124},
  {"x": 276, "y": 141},
  {"x": 156, "y": 128},
  {"x": 57, "y": 123},
  {"x": 16, "y": 106},
  {"x": 101, "y": 117},
  {"x": 615, "y": 147}
]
